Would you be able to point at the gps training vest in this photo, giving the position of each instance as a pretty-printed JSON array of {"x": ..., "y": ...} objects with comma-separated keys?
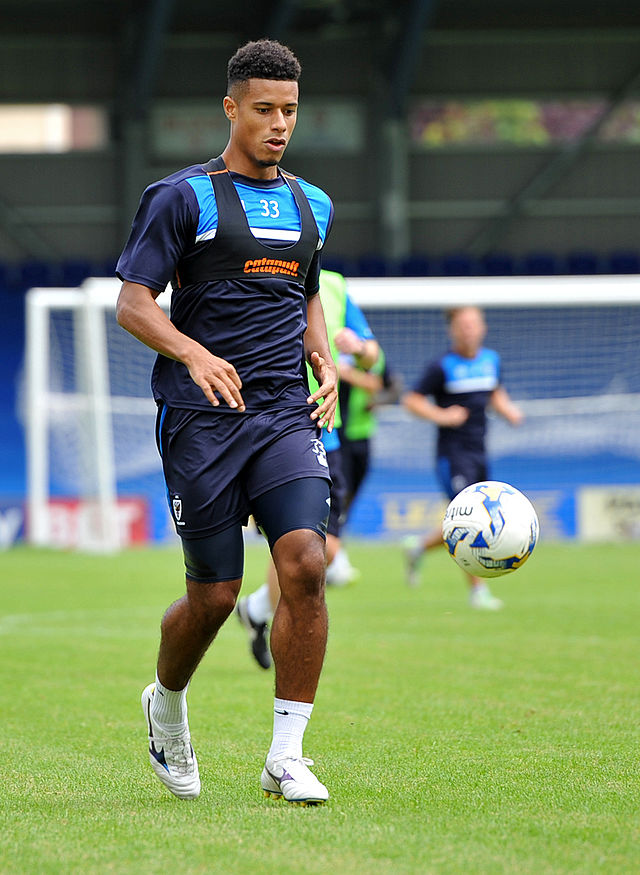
[{"x": 234, "y": 253}]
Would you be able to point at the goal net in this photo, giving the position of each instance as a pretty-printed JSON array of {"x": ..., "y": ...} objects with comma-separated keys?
[
  {"x": 569, "y": 349},
  {"x": 569, "y": 352}
]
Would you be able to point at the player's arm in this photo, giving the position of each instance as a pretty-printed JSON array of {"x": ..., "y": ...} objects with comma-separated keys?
[
  {"x": 357, "y": 377},
  {"x": 364, "y": 350},
  {"x": 316, "y": 346},
  {"x": 355, "y": 338},
  {"x": 139, "y": 314},
  {"x": 444, "y": 417},
  {"x": 504, "y": 406}
]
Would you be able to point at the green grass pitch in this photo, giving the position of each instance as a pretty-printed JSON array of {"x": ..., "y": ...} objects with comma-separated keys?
[{"x": 451, "y": 741}]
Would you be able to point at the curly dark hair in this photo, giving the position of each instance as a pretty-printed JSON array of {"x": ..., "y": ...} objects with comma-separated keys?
[{"x": 262, "y": 59}]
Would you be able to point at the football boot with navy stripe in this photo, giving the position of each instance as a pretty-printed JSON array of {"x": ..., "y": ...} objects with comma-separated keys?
[
  {"x": 288, "y": 777},
  {"x": 171, "y": 757}
]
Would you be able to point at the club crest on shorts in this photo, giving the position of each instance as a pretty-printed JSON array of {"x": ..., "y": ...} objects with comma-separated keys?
[
  {"x": 176, "y": 505},
  {"x": 321, "y": 454}
]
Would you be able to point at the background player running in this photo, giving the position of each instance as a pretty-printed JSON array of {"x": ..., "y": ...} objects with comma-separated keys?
[
  {"x": 463, "y": 383},
  {"x": 239, "y": 239}
]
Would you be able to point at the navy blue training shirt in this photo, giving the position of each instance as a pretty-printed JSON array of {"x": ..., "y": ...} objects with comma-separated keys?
[
  {"x": 251, "y": 309},
  {"x": 453, "y": 379}
]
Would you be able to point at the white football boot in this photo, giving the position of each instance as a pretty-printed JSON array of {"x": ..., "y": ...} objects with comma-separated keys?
[
  {"x": 340, "y": 572},
  {"x": 481, "y": 599},
  {"x": 171, "y": 757},
  {"x": 288, "y": 777}
]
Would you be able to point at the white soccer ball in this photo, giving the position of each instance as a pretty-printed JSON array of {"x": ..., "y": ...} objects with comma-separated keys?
[{"x": 490, "y": 529}]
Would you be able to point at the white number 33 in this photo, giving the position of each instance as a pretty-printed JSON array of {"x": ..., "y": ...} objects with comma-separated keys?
[{"x": 270, "y": 208}]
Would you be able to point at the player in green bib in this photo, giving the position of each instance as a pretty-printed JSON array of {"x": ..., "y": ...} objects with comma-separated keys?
[
  {"x": 358, "y": 391},
  {"x": 349, "y": 335}
]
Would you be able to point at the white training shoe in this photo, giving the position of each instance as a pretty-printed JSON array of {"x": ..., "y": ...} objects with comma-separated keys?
[
  {"x": 413, "y": 552},
  {"x": 288, "y": 777},
  {"x": 482, "y": 600},
  {"x": 340, "y": 572},
  {"x": 171, "y": 758}
]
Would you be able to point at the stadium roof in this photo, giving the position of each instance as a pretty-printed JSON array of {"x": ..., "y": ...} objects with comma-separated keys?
[{"x": 284, "y": 18}]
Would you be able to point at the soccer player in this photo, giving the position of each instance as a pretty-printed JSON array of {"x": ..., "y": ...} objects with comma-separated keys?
[
  {"x": 237, "y": 428},
  {"x": 361, "y": 393},
  {"x": 463, "y": 383},
  {"x": 350, "y": 337}
]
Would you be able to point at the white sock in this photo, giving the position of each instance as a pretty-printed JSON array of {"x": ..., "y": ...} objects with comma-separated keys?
[
  {"x": 259, "y": 605},
  {"x": 289, "y": 723},
  {"x": 169, "y": 709}
]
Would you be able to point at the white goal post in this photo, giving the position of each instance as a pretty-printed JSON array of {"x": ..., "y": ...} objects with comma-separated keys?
[
  {"x": 571, "y": 352},
  {"x": 69, "y": 376}
]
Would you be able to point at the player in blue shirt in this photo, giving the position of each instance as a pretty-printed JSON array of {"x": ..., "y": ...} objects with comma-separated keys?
[
  {"x": 238, "y": 430},
  {"x": 462, "y": 383}
]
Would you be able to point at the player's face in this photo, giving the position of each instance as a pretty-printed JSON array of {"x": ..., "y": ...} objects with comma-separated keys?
[
  {"x": 263, "y": 116},
  {"x": 467, "y": 331}
]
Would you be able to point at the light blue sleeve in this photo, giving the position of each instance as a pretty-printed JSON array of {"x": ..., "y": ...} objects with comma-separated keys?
[
  {"x": 498, "y": 361},
  {"x": 203, "y": 189},
  {"x": 357, "y": 321},
  {"x": 330, "y": 439}
]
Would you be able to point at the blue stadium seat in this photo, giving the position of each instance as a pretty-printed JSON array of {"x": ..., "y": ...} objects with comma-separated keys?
[
  {"x": 38, "y": 273},
  {"x": 623, "y": 262},
  {"x": 583, "y": 263},
  {"x": 5, "y": 276},
  {"x": 338, "y": 264},
  {"x": 414, "y": 265},
  {"x": 73, "y": 272},
  {"x": 106, "y": 267},
  {"x": 459, "y": 264},
  {"x": 539, "y": 264},
  {"x": 498, "y": 264},
  {"x": 99, "y": 267},
  {"x": 372, "y": 265}
]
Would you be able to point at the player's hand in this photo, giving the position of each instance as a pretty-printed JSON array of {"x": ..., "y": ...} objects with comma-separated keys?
[
  {"x": 325, "y": 373},
  {"x": 348, "y": 343},
  {"x": 213, "y": 375},
  {"x": 453, "y": 417}
]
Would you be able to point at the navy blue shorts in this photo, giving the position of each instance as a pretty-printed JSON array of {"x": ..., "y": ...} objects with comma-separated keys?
[
  {"x": 216, "y": 464},
  {"x": 457, "y": 472}
]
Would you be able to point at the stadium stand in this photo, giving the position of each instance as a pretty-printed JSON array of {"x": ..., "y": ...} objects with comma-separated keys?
[
  {"x": 624, "y": 262},
  {"x": 539, "y": 264},
  {"x": 458, "y": 264},
  {"x": 498, "y": 264},
  {"x": 372, "y": 265},
  {"x": 415, "y": 265},
  {"x": 583, "y": 263}
]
